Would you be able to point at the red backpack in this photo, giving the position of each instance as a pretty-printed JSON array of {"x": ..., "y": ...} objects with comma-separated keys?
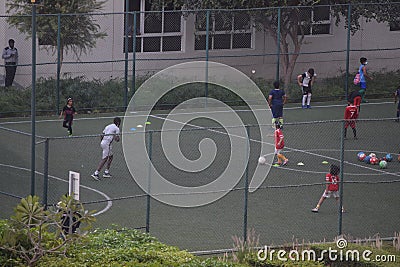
[{"x": 356, "y": 79}]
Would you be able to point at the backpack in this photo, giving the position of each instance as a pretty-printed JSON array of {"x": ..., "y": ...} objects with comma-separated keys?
[{"x": 356, "y": 79}]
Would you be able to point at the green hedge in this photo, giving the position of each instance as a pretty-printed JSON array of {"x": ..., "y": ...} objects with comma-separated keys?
[
  {"x": 126, "y": 247},
  {"x": 97, "y": 95}
]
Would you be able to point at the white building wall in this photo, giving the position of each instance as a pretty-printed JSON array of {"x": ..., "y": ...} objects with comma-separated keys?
[{"x": 110, "y": 50}]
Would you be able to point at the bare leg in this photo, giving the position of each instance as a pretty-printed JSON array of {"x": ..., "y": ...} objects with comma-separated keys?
[
  {"x": 110, "y": 159},
  {"x": 101, "y": 164},
  {"x": 321, "y": 200}
]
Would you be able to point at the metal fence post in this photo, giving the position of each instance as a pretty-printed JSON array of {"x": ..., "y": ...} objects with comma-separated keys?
[
  {"x": 348, "y": 51},
  {"x": 46, "y": 173},
  {"x": 126, "y": 51},
  {"x": 207, "y": 55},
  {"x": 278, "y": 43},
  {"x": 148, "y": 198},
  {"x": 340, "y": 222},
  {"x": 134, "y": 54},
  {"x": 33, "y": 100},
  {"x": 246, "y": 186},
  {"x": 58, "y": 63}
]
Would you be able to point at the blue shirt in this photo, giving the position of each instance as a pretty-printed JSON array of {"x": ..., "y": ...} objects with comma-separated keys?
[
  {"x": 360, "y": 70},
  {"x": 277, "y": 96}
]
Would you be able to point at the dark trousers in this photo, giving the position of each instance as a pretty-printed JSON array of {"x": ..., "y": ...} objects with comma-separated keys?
[
  {"x": 11, "y": 68},
  {"x": 67, "y": 123}
]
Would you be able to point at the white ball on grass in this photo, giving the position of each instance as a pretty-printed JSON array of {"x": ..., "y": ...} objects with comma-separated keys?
[{"x": 261, "y": 160}]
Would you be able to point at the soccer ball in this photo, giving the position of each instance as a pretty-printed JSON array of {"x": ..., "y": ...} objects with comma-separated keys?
[
  {"x": 383, "y": 164},
  {"x": 372, "y": 155},
  {"x": 373, "y": 160},
  {"x": 261, "y": 160},
  {"x": 388, "y": 157},
  {"x": 361, "y": 156},
  {"x": 367, "y": 159}
]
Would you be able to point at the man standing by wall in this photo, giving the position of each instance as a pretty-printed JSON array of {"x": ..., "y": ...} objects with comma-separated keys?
[{"x": 10, "y": 56}]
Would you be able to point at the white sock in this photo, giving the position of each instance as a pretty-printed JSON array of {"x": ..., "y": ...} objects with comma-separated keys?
[
  {"x": 96, "y": 172},
  {"x": 304, "y": 100},
  {"x": 308, "y": 99},
  {"x": 106, "y": 170}
]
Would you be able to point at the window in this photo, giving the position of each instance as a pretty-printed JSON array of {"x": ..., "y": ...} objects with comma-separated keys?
[
  {"x": 156, "y": 31},
  {"x": 394, "y": 26},
  {"x": 315, "y": 20},
  {"x": 227, "y": 30}
]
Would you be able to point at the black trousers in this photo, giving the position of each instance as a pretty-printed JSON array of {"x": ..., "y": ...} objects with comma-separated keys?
[
  {"x": 67, "y": 123},
  {"x": 11, "y": 68}
]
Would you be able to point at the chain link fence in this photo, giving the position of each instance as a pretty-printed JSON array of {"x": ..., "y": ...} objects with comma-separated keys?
[
  {"x": 279, "y": 211},
  {"x": 101, "y": 65}
]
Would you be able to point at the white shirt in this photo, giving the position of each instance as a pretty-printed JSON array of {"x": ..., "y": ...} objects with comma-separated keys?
[
  {"x": 109, "y": 133},
  {"x": 10, "y": 55},
  {"x": 307, "y": 79}
]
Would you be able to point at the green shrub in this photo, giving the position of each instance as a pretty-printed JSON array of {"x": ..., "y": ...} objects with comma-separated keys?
[
  {"x": 126, "y": 247},
  {"x": 14, "y": 101},
  {"x": 98, "y": 95},
  {"x": 33, "y": 231}
]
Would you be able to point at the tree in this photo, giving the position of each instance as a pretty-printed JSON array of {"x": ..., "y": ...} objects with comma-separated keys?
[
  {"x": 294, "y": 19},
  {"x": 78, "y": 29},
  {"x": 34, "y": 231}
]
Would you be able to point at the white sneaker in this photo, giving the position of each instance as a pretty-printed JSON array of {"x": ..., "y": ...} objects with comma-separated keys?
[
  {"x": 96, "y": 177},
  {"x": 314, "y": 210},
  {"x": 107, "y": 175}
]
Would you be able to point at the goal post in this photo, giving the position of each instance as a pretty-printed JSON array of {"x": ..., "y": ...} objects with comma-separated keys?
[{"x": 74, "y": 182}]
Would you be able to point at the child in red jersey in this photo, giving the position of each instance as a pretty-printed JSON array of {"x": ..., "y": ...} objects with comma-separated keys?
[
  {"x": 351, "y": 115},
  {"x": 332, "y": 187},
  {"x": 279, "y": 144}
]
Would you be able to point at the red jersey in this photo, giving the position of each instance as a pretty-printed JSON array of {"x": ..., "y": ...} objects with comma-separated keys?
[
  {"x": 351, "y": 113},
  {"x": 278, "y": 138},
  {"x": 332, "y": 181}
]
